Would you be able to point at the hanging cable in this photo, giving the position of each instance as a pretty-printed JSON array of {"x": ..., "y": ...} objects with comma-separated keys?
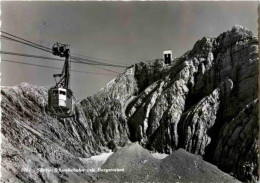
[
  {"x": 30, "y": 43},
  {"x": 97, "y": 59},
  {"x": 104, "y": 64},
  {"x": 74, "y": 58},
  {"x": 79, "y": 60},
  {"x": 26, "y": 43},
  {"x": 46, "y": 58},
  {"x": 27, "y": 55},
  {"x": 55, "y": 67},
  {"x": 93, "y": 62},
  {"x": 49, "y": 58},
  {"x": 26, "y": 40}
]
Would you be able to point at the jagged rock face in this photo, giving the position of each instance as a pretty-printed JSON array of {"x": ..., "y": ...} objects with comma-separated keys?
[
  {"x": 32, "y": 139},
  {"x": 197, "y": 121},
  {"x": 237, "y": 148},
  {"x": 199, "y": 103}
]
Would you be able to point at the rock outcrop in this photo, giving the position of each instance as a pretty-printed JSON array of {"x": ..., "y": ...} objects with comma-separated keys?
[
  {"x": 180, "y": 166},
  {"x": 32, "y": 139},
  {"x": 204, "y": 102}
]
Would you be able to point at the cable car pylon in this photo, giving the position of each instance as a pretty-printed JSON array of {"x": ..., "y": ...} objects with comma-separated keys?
[{"x": 60, "y": 96}]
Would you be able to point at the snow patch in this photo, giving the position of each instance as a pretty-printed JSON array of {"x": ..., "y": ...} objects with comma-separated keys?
[
  {"x": 102, "y": 157},
  {"x": 160, "y": 155},
  {"x": 96, "y": 160}
]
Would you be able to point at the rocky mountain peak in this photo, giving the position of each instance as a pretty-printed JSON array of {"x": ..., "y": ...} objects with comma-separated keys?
[{"x": 240, "y": 30}]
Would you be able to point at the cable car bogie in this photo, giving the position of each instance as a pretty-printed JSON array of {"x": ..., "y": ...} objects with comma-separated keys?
[{"x": 61, "y": 50}]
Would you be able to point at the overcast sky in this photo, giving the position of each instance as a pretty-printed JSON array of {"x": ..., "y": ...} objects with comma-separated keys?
[{"x": 125, "y": 32}]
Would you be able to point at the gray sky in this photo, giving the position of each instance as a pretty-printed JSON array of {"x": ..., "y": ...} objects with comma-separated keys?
[{"x": 125, "y": 32}]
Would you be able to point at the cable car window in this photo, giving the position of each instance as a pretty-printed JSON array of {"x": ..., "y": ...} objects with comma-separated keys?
[
  {"x": 62, "y": 92},
  {"x": 55, "y": 92}
]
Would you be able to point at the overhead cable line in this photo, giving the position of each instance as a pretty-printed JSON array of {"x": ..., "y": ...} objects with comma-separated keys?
[
  {"x": 78, "y": 60},
  {"x": 99, "y": 59},
  {"x": 101, "y": 63},
  {"x": 55, "y": 67},
  {"x": 28, "y": 55},
  {"x": 105, "y": 69},
  {"x": 42, "y": 57},
  {"x": 49, "y": 58},
  {"x": 44, "y": 48},
  {"x": 26, "y": 40},
  {"x": 26, "y": 43},
  {"x": 81, "y": 60}
]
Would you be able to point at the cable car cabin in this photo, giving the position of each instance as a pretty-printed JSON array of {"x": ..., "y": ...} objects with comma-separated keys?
[
  {"x": 60, "y": 102},
  {"x": 60, "y": 50}
]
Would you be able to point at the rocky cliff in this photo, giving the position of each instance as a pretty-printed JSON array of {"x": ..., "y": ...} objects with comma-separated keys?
[{"x": 204, "y": 102}]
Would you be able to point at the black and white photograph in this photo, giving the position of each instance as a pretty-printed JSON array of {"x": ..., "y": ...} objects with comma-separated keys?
[{"x": 129, "y": 91}]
